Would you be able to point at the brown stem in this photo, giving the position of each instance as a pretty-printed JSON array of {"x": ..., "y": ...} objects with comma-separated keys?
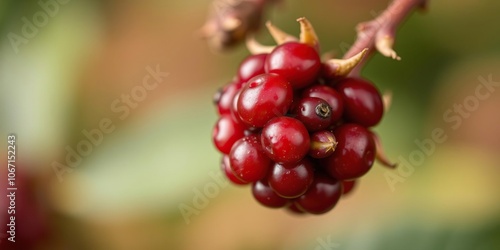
[
  {"x": 230, "y": 21},
  {"x": 379, "y": 33}
]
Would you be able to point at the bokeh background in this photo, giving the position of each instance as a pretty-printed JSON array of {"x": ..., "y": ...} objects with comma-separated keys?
[{"x": 126, "y": 193}]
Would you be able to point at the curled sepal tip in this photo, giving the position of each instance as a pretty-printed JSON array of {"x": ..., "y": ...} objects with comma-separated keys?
[
  {"x": 387, "y": 100},
  {"x": 257, "y": 48},
  {"x": 384, "y": 45},
  {"x": 380, "y": 153},
  {"x": 342, "y": 67},
  {"x": 279, "y": 35},
  {"x": 307, "y": 33}
]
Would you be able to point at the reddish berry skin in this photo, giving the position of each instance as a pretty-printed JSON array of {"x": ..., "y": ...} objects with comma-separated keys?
[
  {"x": 265, "y": 195},
  {"x": 248, "y": 160},
  {"x": 285, "y": 140},
  {"x": 224, "y": 98},
  {"x": 322, "y": 196},
  {"x": 354, "y": 155},
  {"x": 348, "y": 186},
  {"x": 226, "y": 167},
  {"x": 314, "y": 113},
  {"x": 297, "y": 62},
  {"x": 323, "y": 144},
  {"x": 330, "y": 95},
  {"x": 264, "y": 97},
  {"x": 250, "y": 67},
  {"x": 226, "y": 132},
  {"x": 234, "y": 108},
  {"x": 293, "y": 208},
  {"x": 293, "y": 180},
  {"x": 362, "y": 101}
]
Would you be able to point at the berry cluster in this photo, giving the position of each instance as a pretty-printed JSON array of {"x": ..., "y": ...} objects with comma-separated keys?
[{"x": 297, "y": 128}]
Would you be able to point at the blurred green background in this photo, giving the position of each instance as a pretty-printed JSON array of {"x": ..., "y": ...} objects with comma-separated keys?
[{"x": 125, "y": 194}]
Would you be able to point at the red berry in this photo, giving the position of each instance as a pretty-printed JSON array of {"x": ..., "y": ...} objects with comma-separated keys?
[
  {"x": 314, "y": 113},
  {"x": 265, "y": 195},
  {"x": 226, "y": 167},
  {"x": 234, "y": 108},
  {"x": 285, "y": 140},
  {"x": 323, "y": 144},
  {"x": 248, "y": 160},
  {"x": 226, "y": 132},
  {"x": 362, "y": 101},
  {"x": 251, "y": 66},
  {"x": 348, "y": 186},
  {"x": 264, "y": 97},
  {"x": 330, "y": 95},
  {"x": 322, "y": 196},
  {"x": 297, "y": 62},
  {"x": 224, "y": 97},
  {"x": 293, "y": 180},
  {"x": 293, "y": 208},
  {"x": 354, "y": 155}
]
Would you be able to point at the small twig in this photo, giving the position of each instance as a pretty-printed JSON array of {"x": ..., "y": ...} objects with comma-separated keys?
[
  {"x": 231, "y": 21},
  {"x": 379, "y": 34}
]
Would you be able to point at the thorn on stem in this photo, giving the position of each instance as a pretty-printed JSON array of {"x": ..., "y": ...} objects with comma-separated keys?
[
  {"x": 384, "y": 45},
  {"x": 342, "y": 67},
  {"x": 278, "y": 35},
  {"x": 257, "y": 48}
]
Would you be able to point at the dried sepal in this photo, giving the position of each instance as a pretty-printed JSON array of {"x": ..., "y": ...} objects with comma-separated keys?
[
  {"x": 279, "y": 35},
  {"x": 323, "y": 144},
  {"x": 387, "y": 100},
  {"x": 380, "y": 155},
  {"x": 257, "y": 48},
  {"x": 230, "y": 21},
  {"x": 307, "y": 33},
  {"x": 342, "y": 67},
  {"x": 384, "y": 45},
  {"x": 328, "y": 56}
]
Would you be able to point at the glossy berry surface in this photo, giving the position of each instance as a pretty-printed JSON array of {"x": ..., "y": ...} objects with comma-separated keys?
[
  {"x": 250, "y": 67},
  {"x": 266, "y": 196},
  {"x": 322, "y": 196},
  {"x": 224, "y": 98},
  {"x": 294, "y": 209},
  {"x": 314, "y": 113},
  {"x": 298, "y": 63},
  {"x": 233, "y": 109},
  {"x": 330, "y": 95},
  {"x": 362, "y": 101},
  {"x": 262, "y": 98},
  {"x": 228, "y": 172},
  {"x": 248, "y": 160},
  {"x": 293, "y": 180},
  {"x": 323, "y": 144},
  {"x": 348, "y": 186},
  {"x": 285, "y": 140},
  {"x": 226, "y": 132},
  {"x": 354, "y": 155}
]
